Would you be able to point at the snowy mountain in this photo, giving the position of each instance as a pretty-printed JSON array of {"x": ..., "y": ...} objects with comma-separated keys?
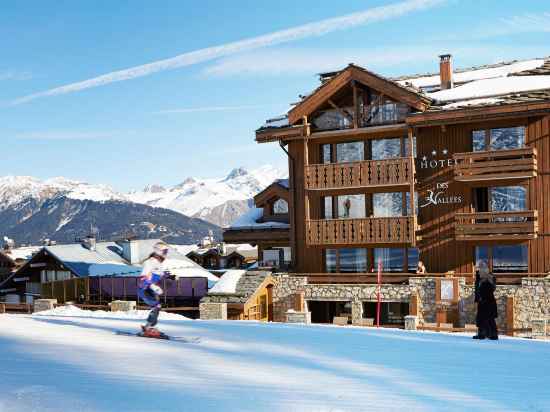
[
  {"x": 32, "y": 210},
  {"x": 219, "y": 201}
]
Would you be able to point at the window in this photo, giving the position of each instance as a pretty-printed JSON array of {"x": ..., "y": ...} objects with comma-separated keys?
[
  {"x": 386, "y": 111},
  {"x": 503, "y": 258},
  {"x": 386, "y": 148},
  {"x": 271, "y": 257},
  {"x": 350, "y": 152},
  {"x": 508, "y": 198},
  {"x": 327, "y": 212},
  {"x": 412, "y": 259},
  {"x": 333, "y": 119},
  {"x": 326, "y": 153},
  {"x": 353, "y": 260},
  {"x": 393, "y": 259},
  {"x": 387, "y": 204},
  {"x": 498, "y": 139},
  {"x": 510, "y": 259},
  {"x": 330, "y": 260},
  {"x": 280, "y": 207},
  {"x": 346, "y": 260},
  {"x": 351, "y": 207}
]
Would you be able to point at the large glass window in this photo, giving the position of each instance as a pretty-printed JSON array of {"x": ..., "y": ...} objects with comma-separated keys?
[
  {"x": 387, "y": 204},
  {"x": 385, "y": 148},
  {"x": 503, "y": 258},
  {"x": 393, "y": 259},
  {"x": 326, "y": 153},
  {"x": 508, "y": 198},
  {"x": 327, "y": 212},
  {"x": 351, "y": 207},
  {"x": 498, "y": 139},
  {"x": 412, "y": 259},
  {"x": 510, "y": 258},
  {"x": 330, "y": 260},
  {"x": 350, "y": 152},
  {"x": 386, "y": 111},
  {"x": 333, "y": 119},
  {"x": 353, "y": 260}
]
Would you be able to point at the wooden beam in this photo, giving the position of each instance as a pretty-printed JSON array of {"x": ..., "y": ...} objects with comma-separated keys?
[
  {"x": 355, "y": 105},
  {"x": 341, "y": 111}
]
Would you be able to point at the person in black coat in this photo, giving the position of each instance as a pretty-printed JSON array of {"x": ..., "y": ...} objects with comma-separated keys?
[{"x": 487, "y": 312}]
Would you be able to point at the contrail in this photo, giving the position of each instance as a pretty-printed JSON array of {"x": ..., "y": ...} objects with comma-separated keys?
[{"x": 318, "y": 28}]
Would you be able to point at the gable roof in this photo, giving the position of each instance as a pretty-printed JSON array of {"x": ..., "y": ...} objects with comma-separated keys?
[
  {"x": 237, "y": 286},
  {"x": 279, "y": 189},
  {"x": 400, "y": 92}
]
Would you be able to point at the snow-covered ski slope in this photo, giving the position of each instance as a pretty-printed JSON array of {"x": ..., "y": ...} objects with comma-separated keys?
[{"x": 78, "y": 363}]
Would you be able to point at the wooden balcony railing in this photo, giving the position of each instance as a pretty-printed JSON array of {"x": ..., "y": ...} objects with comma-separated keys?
[
  {"x": 368, "y": 231},
  {"x": 496, "y": 225},
  {"x": 367, "y": 173},
  {"x": 496, "y": 165}
]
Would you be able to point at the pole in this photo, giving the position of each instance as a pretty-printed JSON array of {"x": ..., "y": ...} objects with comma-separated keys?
[{"x": 378, "y": 304}]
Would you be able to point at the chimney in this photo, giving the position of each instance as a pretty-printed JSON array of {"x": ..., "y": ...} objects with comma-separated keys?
[
  {"x": 130, "y": 251},
  {"x": 446, "y": 71},
  {"x": 89, "y": 243}
]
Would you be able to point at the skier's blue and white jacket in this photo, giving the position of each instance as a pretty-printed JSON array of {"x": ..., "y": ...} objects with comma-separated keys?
[{"x": 151, "y": 274}]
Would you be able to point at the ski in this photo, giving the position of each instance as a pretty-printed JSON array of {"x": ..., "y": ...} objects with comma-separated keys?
[{"x": 161, "y": 336}]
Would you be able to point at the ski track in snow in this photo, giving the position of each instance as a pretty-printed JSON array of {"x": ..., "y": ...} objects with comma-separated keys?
[{"x": 54, "y": 363}]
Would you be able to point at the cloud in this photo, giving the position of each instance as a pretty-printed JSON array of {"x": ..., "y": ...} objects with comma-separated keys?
[
  {"x": 314, "y": 29},
  {"x": 15, "y": 75},
  {"x": 291, "y": 61},
  {"x": 63, "y": 135},
  {"x": 218, "y": 108}
]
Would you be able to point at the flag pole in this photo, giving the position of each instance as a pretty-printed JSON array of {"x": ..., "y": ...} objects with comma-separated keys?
[{"x": 378, "y": 304}]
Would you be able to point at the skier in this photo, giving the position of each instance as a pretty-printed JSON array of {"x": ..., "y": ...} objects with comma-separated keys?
[{"x": 149, "y": 290}]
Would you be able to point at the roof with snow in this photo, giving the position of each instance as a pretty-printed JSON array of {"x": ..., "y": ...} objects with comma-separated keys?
[
  {"x": 505, "y": 83},
  {"x": 236, "y": 286},
  {"x": 108, "y": 259},
  {"x": 22, "y": 253},
  {"x": 250, "y": 220}
]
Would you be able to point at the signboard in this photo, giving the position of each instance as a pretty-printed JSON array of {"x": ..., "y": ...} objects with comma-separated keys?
[
  {"x": 447, "y": 289},
  {"x": 438, "y": 194}
]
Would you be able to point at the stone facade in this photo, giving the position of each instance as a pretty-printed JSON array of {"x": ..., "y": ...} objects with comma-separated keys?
[
  {"x": 531, "y": 298},
  {"x": 122, "y": 305},
  {"x": 44, "y": 304},
  {"x": 210, "y": 311}
]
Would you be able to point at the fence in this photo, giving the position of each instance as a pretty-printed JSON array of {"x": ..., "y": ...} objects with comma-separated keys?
[{"x": 100, "y": 290}]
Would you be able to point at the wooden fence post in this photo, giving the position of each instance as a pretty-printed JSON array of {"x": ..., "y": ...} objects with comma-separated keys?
[{"x": 510, "y": 316}]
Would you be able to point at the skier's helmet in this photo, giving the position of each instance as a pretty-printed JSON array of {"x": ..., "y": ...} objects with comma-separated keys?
[{"x": 160, "y": 249}]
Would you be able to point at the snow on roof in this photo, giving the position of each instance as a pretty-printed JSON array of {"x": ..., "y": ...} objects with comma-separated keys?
[
  {"x": 280, "y": 121},
  {"x": 228, "y": 282},
  {"x": 184, "y": 249},
  {"x": 492, "y": 88},
  {"x": 250, "y": 220},
  {"x": 283, "y": 182},
  {"x": 23, "y": 253},
  {"x": 463, "y": 76},
  {"x": 474, "y": 102},
  {"x": 185, "y": 267}
]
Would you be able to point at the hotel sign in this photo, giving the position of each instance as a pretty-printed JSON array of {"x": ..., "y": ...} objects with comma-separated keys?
[{"x": 438, "y": 194}]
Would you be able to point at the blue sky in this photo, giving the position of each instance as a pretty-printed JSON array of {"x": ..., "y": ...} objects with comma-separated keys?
[{"x": 197, "y": 115}]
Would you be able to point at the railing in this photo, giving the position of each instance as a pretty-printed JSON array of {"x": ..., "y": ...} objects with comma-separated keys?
[
  {"x": 367, "y": 173},
  {"x": 496, "y": 165},
  {"x": 496, "y": 225},
  {"x": 374, "y": 230}
]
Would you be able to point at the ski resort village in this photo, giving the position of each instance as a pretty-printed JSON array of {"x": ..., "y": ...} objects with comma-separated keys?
[{"x": 344, "y": 208}]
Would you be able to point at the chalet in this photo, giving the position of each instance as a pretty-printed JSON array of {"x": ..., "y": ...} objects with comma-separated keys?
[
  {"x": 224, "y": 256},
  {"x": 267, "y": 226},
  {"x": 98, "y": 272},
  {"x": 244, "y": 295},
  {"x": 451, "y": 168}
]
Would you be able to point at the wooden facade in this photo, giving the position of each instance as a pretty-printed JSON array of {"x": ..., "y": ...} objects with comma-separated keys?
[{"x": 447, "y": 178}]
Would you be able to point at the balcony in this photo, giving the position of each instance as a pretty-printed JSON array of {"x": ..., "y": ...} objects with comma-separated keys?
[
  {"x": 488, "y": 226},
  {"x": 363, "y": 174},
  {"x": 501, "y": 165},
  {"x": 367, "y": 231}
]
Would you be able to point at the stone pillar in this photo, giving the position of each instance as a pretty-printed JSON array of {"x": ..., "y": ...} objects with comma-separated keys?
[
  {"x": 538, "y": 328},
  {"x": 356, "y": 312},
  {"x": 122, "y": 305},
  {"x": 210, "y": 311},
  {"x": 44, "y": 304},
  {"x": 411, "y": 322}
]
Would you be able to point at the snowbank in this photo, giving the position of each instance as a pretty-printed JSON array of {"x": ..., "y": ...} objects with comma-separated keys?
[{"x": 73, "y": 311}]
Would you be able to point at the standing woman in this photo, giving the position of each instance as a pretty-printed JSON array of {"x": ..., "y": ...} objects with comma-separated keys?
[{"x": 487, "y": 312}]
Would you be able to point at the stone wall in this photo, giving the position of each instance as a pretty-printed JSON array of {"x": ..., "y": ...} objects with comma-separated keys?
[
  {"x": 211, "y": 311},
  {"x": 285, "y": 289},
  {"x": 531, "y": 298}
]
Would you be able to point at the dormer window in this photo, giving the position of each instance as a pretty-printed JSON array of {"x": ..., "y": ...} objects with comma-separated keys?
[{"x": 280, "y": 207}]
